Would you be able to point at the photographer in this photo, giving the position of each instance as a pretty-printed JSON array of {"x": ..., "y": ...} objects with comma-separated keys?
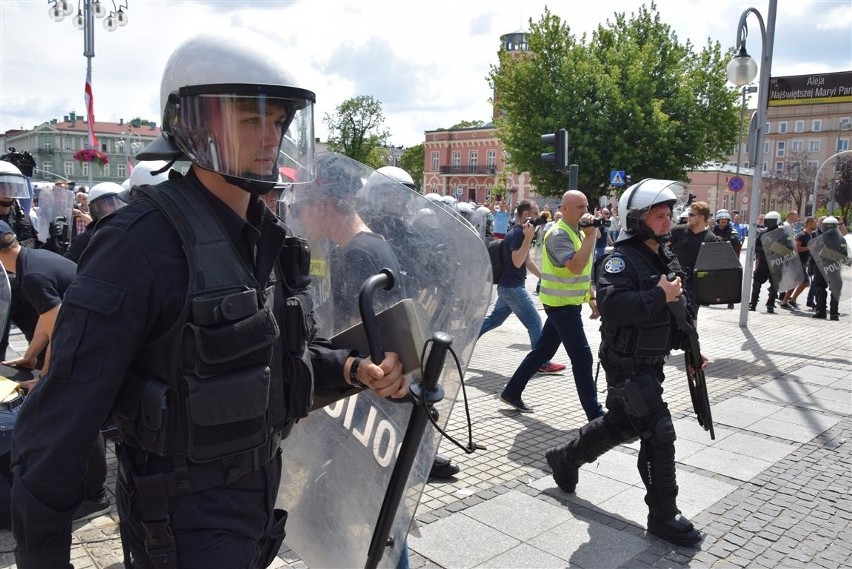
[
  {"x": 512, "y": 295},
  {"x": 566, "y": 285}
]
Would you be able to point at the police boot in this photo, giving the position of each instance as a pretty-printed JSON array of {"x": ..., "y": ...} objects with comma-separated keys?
[
  {"x": 566, "y": 472},
  {"x": 677, "y": 530}
]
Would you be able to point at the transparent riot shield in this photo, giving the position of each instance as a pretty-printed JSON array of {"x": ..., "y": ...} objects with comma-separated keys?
[
  {"x": 785, "y": 268},
  {"x": 55, "y": 214},
  {"x": 339, "y": 460},
  {"x": 830, "y": 253},
  {"x": 5, "y": 301}
]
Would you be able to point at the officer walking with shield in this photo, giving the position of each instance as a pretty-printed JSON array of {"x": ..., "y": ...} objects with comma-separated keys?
[{"x": 189, "y": 321}]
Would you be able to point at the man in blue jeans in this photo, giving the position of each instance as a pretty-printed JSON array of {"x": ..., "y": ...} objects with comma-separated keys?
[
  {"x": 512, "y": 295},
  {"x": 566, "y": 263}
]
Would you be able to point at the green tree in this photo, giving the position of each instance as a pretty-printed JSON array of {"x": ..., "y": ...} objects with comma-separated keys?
[
  {"x": 412, "y": 161},
  {"x": 357, "y": 129},
  {"x": 632, "y": 97},
  {"x": 468, "y": 124}
]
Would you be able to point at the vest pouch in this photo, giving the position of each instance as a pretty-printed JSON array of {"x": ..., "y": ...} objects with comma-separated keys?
[
  {"x": 654, "y": 338},
  {"x": 226, "y": 413},
  {"x": 298, "y": 384},
  {"x": 217, "y": 348},
  {"x": 142, "y": 414}
]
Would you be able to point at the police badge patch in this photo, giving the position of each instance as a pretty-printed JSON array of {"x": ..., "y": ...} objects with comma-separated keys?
[{"x": 614, "y": 265}]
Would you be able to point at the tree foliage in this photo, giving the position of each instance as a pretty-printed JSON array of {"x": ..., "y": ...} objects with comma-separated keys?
[
  {"x": 412, "y": 161},
  {"x": 632, "y": 97},
  {"x": 794, "y": 183},
  {"x": 357, "y": 129},
  {"x": 468, "y": 124}
]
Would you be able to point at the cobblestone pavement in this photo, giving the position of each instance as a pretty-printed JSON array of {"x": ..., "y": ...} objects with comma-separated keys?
[{"x": 773, "y": 489}]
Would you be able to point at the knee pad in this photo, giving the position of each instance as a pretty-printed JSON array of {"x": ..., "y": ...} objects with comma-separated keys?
[{"x": 664, "y": 431}]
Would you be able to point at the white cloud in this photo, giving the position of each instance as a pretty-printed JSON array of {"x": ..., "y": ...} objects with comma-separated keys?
[{"x": 426, "y": 61}]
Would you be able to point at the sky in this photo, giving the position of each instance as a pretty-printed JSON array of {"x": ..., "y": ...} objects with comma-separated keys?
[{"x": 425, "y": 61}]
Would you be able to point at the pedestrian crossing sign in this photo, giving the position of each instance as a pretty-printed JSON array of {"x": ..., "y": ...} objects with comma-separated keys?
[{"x": 616, "y": 178}]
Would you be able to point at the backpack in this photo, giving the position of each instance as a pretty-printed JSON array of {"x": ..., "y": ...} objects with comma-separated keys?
[{"x": 495, "y": 253}]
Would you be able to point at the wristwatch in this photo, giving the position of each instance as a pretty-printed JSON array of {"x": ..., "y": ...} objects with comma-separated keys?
[{"x": 353, "y": 373}]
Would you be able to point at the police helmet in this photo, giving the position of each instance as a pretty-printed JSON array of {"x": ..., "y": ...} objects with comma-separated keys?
[
  {"x": 723, "y": 214},
  {"x": 13, "y": 184},
  {"x": 105, "y": 198},
  {"x": 638, "y": 199},
  {"x": 829, "y": 223},
  {"x": 230, "y": 106},
  {"x": 449, "y": 201},
  {"x": 466, "y": 209},
  {"x": 772, "y": 220},
  {"x": 397, "y": 175},
  {"x": 433, "y": 197},
  {"x": 143, "y": 173}
]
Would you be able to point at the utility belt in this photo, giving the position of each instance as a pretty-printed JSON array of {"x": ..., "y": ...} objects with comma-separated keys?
[
  {"x": 179, "y": 477},
  {"x": 622, "y": 366}
]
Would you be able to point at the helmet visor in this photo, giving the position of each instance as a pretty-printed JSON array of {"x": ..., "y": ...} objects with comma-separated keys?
[
  {"x": 252, "y": 132},
  {"x": 105, "y": 205},
  {"x": 14, "y": 186}
]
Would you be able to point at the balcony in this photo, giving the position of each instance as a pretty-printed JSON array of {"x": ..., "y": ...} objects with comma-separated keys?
[
  {"x": 469, "y": 170},
  {"x": 44, "y": 151}
]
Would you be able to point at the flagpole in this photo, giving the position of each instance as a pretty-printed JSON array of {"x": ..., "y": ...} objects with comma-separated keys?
[{"x": 89, "y": 53}]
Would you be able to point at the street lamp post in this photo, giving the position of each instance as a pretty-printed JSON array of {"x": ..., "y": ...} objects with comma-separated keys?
[
  {"x": 131, "y": 146},
  {"x": 742, "y": 71},
  {"x": 746, "y": 89},
  {"x": 85, "y": 21}
]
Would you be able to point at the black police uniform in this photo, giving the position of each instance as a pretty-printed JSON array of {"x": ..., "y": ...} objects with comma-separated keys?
[
  {"x": 202, "y": 395},
  {"x": 637, "y": 333},
  {"x": 761, "y": 274}
]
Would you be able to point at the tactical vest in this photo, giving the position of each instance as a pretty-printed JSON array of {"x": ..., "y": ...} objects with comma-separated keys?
[
  {"x": 223, "y": 383},
  {"x": 559, "y": 286},
  {"x": 652, "y": 338}
]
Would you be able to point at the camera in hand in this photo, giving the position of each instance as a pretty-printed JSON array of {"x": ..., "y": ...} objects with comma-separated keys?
[
  {"x": 537, "y": 221},
  {"x": 596, "y": 222}
]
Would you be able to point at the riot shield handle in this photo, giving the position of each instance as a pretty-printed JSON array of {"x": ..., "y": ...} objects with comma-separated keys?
[{"x": 383, "y": 279}]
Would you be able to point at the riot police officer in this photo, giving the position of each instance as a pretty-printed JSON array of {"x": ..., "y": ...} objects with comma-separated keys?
[
  {"x": 189, "y": 321},
  {"x": 761, "y": 265},
  {"x": 14, "y": 186},
  {"x": 725, "y": 231},
  {"x": 637, "y": 333}
]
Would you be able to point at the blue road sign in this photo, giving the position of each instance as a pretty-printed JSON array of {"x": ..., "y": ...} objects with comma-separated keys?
[
  {"x": 616, "y": 178},
  {"x": 736, "y": 183}
]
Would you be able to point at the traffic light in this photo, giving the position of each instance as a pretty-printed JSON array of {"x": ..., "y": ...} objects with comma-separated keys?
[{"x": 559, "y": 157}]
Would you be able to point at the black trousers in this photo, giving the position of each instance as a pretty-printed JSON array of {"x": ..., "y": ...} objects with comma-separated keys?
[{"x": 224, "y": 527}]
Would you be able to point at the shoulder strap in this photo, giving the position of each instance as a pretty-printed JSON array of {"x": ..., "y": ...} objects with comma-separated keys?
[{"x": 214, "y": 263}]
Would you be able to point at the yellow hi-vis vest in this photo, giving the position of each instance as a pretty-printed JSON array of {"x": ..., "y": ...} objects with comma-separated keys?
[{"x": 559, "y": 286}]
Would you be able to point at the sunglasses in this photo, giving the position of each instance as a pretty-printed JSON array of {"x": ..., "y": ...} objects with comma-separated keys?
[{"x": 692, "y": 214}]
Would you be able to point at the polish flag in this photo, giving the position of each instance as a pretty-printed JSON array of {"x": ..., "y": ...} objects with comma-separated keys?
[
  {"x": 90, "y": 110},
  {"x": 129, "y": 166}
]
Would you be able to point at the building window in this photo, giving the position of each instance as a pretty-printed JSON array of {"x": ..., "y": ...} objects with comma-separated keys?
[
  {"x": 104, "y": 147},
  {"x": 814, "y": 146},
  {"x": 85, "y": 168},
  {"x": 474, "y": 161},
  {"x": 816, "y": 126},
  {"x": 800, "y": 126},
  {"x": 768, "y": 127},
  {"x": 766, "y": 147},
  {"x": 765, "y": 167},
  {"x": 782, "y": 127},
  {"x": 122, "y": 171},
  {"x": 491, "y": 159},
  {"x": 67, "y": 143},
  {"x": 812, "y": 165},
  {"x": 47, "y": 166},
  {"x": 842, "y": 144},
  {"x": 779, "y": 167},
  {"x": 48, "y": 147},
  {"x": 69, "y": 168},
  {"x": 844, "y": 123},
  {"x": 798, "y": 145},
  {"x": 119, "y": 146},
  {"x": 436, "y": 161},
  {"x": 105, "y": 170},
  {"x": 455, "y": 160},
  {"x": 780, "y": 148}
]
